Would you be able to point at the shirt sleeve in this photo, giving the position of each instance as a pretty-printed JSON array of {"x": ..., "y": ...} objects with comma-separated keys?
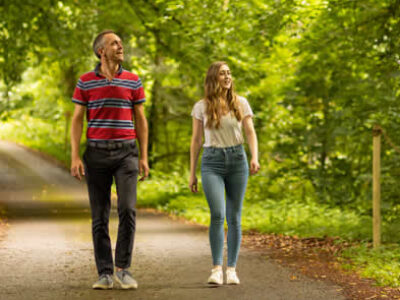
[
  {"x": 197, "y": 111},
  {"x": 247, "y": 111},
  {"x": 138, "y": 93},
  {"x": 79, "y": 96}
]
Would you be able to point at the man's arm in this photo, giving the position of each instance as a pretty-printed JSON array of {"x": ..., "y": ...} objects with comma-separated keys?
[
  {"x": 77, "y": 169},
  {"x": 142, "y": 133}
]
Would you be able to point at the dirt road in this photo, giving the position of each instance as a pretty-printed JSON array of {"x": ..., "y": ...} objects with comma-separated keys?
[{"x": 47, "y": 251}]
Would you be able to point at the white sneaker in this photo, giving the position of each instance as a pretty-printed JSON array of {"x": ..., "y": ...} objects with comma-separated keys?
[
  {"x": 216, "y": 277},
  {"x": 231, "y": 277}
]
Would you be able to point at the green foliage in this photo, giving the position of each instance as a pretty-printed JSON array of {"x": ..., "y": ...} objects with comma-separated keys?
[
  {"x": 318, "y": 75},
  {"x": 169, "y": 193},
  {"x": 344, "y": 83},
  {"x": 305, "y": 220},
  {"x": 47, "y": 137},
  {"x": 381, "y": 265}
]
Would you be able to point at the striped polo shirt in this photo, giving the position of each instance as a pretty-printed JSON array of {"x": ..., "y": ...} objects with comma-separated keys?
[{"x": 109, "y": 104}]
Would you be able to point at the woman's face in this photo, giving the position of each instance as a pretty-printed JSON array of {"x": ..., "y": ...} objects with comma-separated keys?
[{"x": 224, "y": 77}]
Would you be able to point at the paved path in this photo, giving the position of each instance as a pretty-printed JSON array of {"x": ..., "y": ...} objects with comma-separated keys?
[{"x": 47, "y": 252}]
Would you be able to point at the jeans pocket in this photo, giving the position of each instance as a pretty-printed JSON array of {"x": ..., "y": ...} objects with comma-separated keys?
[
  {"x": 88, "y": 154},
  {"x": 84, "y": 154},
  {"x": 95, "y": 158},
  {"x": 211, "y": 156},
  {"x": 135, "y": 151},
  {"x": 207, "y": 154},
  {"x": 133, "y": 163},
  {"x": 207, "y": 157},
  {"x": 239, "y": 155}
]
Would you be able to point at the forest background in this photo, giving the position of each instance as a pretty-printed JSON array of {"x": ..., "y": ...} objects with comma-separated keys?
[{"x": 319, "y": 74}]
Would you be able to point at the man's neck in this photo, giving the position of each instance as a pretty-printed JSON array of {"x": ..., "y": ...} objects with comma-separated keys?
[{"x": 109, "y": 68}]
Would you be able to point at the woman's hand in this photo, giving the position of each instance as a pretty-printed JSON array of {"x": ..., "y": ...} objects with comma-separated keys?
[
  {"x": 254, "y": 166},
  {"x": 193, "y": 183},
  {"x": 253, "y": 144}
]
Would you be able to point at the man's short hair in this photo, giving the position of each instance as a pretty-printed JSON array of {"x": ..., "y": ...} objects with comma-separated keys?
[{"x": 98, "y": 41}]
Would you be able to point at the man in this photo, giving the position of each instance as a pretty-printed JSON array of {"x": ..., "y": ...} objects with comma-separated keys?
[{"x": 111, "y": 98}]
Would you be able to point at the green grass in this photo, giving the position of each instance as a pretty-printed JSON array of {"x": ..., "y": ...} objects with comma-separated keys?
[{"x": 381, "y": 264}]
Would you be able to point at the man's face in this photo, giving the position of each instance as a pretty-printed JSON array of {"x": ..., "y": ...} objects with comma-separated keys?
[{"x": 112, "y": 49}]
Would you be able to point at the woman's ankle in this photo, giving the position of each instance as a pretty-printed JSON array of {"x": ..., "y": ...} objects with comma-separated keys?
[{"x": 217, "y": 267}]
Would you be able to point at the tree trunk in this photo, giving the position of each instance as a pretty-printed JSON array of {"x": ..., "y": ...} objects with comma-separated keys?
[
  {"x": 166, "y": 135},
  {"x": 325, "y": 144},
  {"x": 70, "y": 79},
  {"x": 153, "y": 113}
]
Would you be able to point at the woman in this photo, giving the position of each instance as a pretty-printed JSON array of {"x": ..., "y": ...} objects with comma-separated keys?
[{"x": 224, "y": 168}]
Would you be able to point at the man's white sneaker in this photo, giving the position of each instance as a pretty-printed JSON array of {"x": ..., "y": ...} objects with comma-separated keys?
[
  {"x": 216, "y": 277},
  {"x": 231, "y": 277}
]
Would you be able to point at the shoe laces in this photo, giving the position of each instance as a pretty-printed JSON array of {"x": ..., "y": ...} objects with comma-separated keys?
[
  {"x": 106, "y": 276},
  {"x": 125, "y": 273},
  {"x": 231, "y": 273}
]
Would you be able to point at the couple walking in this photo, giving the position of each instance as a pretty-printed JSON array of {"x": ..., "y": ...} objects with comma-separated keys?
[{"x": 112, "y": 98}]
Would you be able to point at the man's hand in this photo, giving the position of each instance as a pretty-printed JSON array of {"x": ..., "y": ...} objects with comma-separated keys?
[
  {"x": 77, "y": 169},
  {"x": 143, "y": 169}
]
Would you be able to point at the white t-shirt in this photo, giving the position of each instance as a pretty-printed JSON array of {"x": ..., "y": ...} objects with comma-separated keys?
[{"x": 230, "y": 131}]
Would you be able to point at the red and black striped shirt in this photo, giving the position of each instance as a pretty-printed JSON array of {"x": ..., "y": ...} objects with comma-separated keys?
[{"x": 109, "y": 103}]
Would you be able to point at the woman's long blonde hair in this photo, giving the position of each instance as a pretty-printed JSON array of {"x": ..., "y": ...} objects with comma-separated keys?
[{"x": 213, "y": 92}]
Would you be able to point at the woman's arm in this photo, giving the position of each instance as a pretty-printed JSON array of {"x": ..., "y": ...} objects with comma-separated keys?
[
  {"x": 252, "y": 140},
  {"x": 195, "y": 146}
]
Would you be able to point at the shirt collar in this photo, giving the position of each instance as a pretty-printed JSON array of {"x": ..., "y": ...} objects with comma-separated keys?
[{"x": 97, "y": 70}]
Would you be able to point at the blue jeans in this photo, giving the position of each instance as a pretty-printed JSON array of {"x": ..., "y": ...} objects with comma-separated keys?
[{"x": 225, "y": 171}]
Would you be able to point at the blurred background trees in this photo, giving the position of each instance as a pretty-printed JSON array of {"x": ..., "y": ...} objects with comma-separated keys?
[{"x": 317, "y": 73}]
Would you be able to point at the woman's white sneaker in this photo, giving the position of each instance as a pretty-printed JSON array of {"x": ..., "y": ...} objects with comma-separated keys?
[
  {"x": 231, "y": 277},
  {"x": 216, "y": 277}
]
